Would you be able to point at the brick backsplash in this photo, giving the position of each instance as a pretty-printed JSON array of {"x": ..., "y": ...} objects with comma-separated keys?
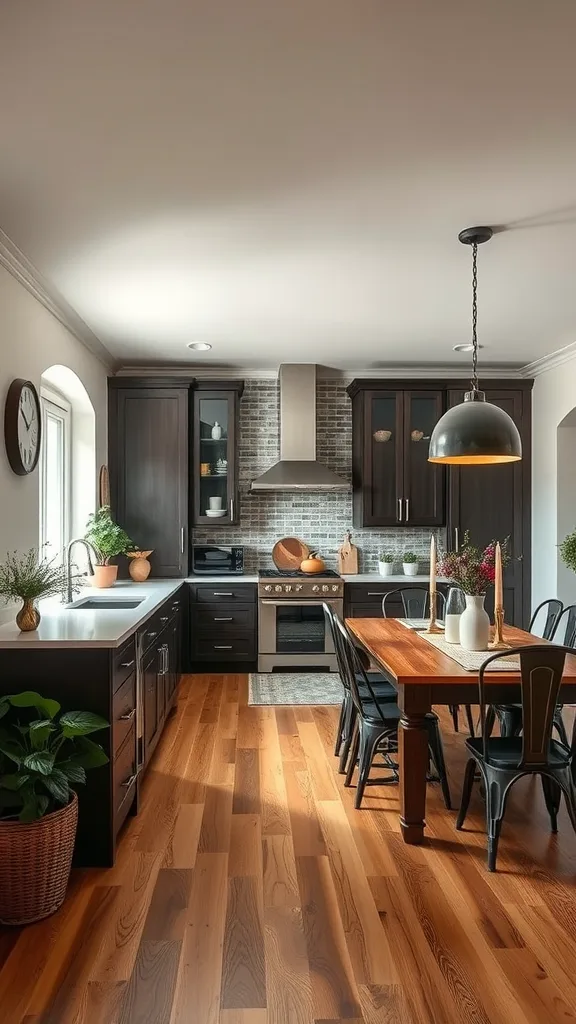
[{"x": 320, "y": 520}]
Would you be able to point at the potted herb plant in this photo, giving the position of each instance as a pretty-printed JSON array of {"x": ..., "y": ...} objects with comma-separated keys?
[
  {"x": 44, "y": 755},
  {"x": 568, "y": 551},
  {"x": 108, "y": 540},
  {"x": 28, "y": 578},
  {"x": 410, "y": 563},
  {"x": 386, "y": 561}
]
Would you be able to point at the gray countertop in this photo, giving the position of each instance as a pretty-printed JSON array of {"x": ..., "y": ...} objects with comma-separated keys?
[
  {"x": 375, "y": 577},
  {"x": 73, "y": 627}
]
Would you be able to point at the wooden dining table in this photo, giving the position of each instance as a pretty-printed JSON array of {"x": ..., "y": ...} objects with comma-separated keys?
[{"x": 424, "y": 676}]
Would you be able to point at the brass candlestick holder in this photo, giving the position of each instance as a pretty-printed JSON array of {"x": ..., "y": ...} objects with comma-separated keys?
[
  {"x": 433, "y": 626},
  {"x": 498, "y": 643}
]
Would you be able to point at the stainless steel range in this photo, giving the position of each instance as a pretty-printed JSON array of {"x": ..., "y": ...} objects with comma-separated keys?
[{"x": 292, "y": 630}]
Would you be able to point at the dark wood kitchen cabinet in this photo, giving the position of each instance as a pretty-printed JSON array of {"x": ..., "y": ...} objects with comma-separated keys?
[
  {"x": 393, "y": 482},
  {"x": 215, "y": 453},
  {"x": 493, "y": 502},
  {"x": 148, "y": 462}
]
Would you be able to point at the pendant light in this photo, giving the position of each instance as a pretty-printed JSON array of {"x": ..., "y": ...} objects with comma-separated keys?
[{"x": 475, "y": 433}]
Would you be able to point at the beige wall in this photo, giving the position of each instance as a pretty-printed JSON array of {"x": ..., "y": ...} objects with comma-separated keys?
[{"x": 31, "y": 340}]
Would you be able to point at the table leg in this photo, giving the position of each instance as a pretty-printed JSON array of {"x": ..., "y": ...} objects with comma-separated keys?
[{"x": 413, "y": 749}]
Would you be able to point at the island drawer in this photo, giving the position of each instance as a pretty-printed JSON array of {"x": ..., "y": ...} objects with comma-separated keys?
[
  {"x": 123, "y": 663},
  {"x": 223, "y": 618},
  {"x": 225, "y": 648},
  {"x": 123, "y": 712},
  {"x": 124, "y": 779}
]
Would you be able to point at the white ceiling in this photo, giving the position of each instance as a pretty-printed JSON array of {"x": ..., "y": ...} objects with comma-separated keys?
[{"x": 287, "y": 180}]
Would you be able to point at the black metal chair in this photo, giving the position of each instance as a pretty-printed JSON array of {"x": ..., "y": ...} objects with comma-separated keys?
[
  {"x": 416, "y": 605},
  {"x": 564, "y": 627},
  {"x": 552, "y": 610},
  {"x": 503, "y": 760},
  {"x": 415, "y": 602},
  {"x": 381, "y": 688},
  {"x": 376, "y": 726}
]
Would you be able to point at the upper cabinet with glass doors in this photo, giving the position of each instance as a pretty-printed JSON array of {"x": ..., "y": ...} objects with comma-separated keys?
[{"x": 215, "y": 455}]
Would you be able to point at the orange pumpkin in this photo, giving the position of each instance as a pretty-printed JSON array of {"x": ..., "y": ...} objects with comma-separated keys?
[{"x": 313, "y": 564}]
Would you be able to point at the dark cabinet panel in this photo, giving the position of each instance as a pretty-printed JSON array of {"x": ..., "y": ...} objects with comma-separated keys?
[
  {"x": 149, "y": 471},
  {"x": 393, "y": 482},
  {"x": 493, "y": 502}
]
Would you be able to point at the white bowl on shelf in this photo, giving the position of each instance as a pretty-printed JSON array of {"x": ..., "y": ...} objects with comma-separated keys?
[{"x": 215, "y": 513}]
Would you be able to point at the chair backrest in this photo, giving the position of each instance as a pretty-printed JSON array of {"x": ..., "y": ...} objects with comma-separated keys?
[
  {"x": 546, "y": 617},
  {"x": 331, "y": 617},
  {"x": 541, "y": 668},
  {"x": 415, "y": 602},
  {"x": 354, "y": 668},
  {"x": 564, "y": 631}
]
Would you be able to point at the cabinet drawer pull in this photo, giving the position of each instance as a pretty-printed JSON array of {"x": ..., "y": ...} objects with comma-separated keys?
[
  {"x": 223, "y": 618},
  {"x": 155, "y": 633},
  {"x": 128, "y": 782},
  {"x": 376, "y": 593},
  {"x": 222, "y": 647},
  {"x": 127, "y": 664},
  {"x": 128, "y": 716},
  {"x": 164, "y": 618},
  {"x": 222, "y": 593}
]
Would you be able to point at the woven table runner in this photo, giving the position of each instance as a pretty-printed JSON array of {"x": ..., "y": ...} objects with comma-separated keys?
[{"x": 471, "y": 660}]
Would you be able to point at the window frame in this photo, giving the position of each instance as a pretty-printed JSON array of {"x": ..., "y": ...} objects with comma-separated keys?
[{"x": 53, "y": 403}]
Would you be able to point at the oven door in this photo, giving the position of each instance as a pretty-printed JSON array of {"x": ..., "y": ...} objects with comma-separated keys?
[{"x": 295, "y": 628}]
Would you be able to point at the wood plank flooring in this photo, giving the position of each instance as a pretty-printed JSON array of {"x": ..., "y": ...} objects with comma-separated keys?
[{"x": 249, "y": 891}]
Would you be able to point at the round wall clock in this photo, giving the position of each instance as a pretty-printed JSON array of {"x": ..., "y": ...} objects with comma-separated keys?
[{"x": 22, "y": 426}]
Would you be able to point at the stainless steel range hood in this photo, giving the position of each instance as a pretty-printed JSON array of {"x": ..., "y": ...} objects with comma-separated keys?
[{"x": 298, "y": 469}]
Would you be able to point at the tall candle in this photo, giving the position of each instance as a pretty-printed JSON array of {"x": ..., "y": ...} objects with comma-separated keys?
[
  {"x": 432, "y": 564},
  {"x": 498, "y": 601}
]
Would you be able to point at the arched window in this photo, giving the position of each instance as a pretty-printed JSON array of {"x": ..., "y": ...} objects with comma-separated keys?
[{"x": 67, "y": 459}]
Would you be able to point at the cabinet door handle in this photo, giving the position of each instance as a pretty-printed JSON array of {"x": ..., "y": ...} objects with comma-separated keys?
[
  {"x": 128, "y": 782},
  {"x": 182, "y": 538},
  {"x": 153, "y": 634},
  {"x": 127, "y": 664},
  {"x": 223, "y": 618},
  {"x": 222, "y": 647},
  {"x": 406, "y": 509},
  {"x": 128, "y": 716},
  {"x": 221, "y": 593},
  {"x": 231, "y": 508},
  {"x": 456, "y": 539},
  {"x": 376, "y": 593},
  {"x": 399, "y": 510}
]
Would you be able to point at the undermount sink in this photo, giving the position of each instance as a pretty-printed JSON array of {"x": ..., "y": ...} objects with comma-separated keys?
[{"x": 94, "y": 603}]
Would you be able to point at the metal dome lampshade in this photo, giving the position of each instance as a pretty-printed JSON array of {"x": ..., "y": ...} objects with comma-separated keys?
[{"x": 475, "y": 433}]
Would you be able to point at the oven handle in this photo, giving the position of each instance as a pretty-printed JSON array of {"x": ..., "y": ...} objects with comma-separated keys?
[{"x": 296, "y": 601}]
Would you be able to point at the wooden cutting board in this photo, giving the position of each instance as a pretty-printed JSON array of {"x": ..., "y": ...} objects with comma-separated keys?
[
  {"x": 289, "y": 552},
  {"x": 348, "y": 556},
  {"x": 103, "y": 487}
]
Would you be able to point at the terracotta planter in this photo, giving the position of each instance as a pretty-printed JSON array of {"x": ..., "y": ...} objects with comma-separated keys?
[
  {"x": 139, "y": 567},
  {"x": 35, "y": 862},
  {"x": 104, "y": 576},
  {"x": 28, "y": 618}
]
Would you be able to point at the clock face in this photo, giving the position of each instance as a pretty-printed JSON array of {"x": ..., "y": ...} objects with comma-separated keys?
[{"x": 22, "y": 426}]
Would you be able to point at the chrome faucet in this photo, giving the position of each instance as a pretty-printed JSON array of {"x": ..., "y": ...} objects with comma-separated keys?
[{"x": 91, "y": 554}]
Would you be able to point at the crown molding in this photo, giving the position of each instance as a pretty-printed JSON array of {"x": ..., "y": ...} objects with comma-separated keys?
[
  {"x": 19, "y": 266},
  {"x": 551, "y": 361},
  {"x": 392, "y": 372}
]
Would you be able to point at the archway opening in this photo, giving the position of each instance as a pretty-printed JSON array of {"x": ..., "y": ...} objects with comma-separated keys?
[
  {"x": 67, "y": 460},
  {"x": 566, "y": 500}
]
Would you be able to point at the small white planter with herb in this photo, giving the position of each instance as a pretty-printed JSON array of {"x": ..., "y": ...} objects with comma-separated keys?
[
  {"x": 386, "y": 561},
  {"x": 410, "y": 563}
]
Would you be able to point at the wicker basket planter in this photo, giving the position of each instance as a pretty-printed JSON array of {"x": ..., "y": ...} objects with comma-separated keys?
[{"x": 35, "y": 861}]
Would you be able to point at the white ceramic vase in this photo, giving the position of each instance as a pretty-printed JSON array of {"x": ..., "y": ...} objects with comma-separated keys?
[
  {"x": 216, "y": 432},
  {"x": 410, "y": 568},
  {"x": 386, "y": 568},
  {"x": 474, "y": 624}
]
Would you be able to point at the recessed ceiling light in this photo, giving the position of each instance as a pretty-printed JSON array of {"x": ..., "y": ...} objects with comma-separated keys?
[
  {"x": 468, "y": 347},
  {"x": 199, "y": 346}
]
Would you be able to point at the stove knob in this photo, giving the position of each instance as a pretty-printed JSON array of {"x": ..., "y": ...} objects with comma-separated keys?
[
  {"x": 335, "y": 588},
  {"x": 315, "y": 588},
  {"x": 267, "y": 588},
  {"x": 288, "y": 587},
  {"x": 298, "y": 586},
  {"x": 278, "y": 588},
  {"x": 325, "y": 588}
]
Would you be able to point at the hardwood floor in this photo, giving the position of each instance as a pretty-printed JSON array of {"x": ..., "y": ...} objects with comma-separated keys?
[{"x": 249, "y": 891}]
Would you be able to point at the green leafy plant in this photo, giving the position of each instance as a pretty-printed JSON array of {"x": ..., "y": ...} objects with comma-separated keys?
[
  {"x": 387, "y": 556},
  {"x": 44, "y": 754},
  {"x": 106, "y": 537},
  {"x": 30, "y": 576},
  {"x": 568, "y": 551},
  {"x": 410, "y": 558}
]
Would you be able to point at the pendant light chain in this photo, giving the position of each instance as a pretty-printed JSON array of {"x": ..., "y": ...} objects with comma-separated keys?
[{"x": 475, "y": 317}]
